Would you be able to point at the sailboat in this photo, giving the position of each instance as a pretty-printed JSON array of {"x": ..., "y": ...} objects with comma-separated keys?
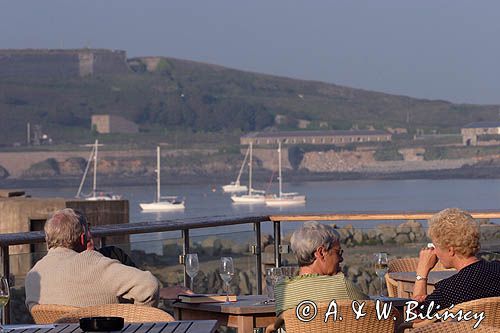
[
  {"x": 95, "y": 194},
  {"x": 253, "y": 196},
  {"x": 161, "y": 203},
  {"x": 236, "y": 186},
  {"x": 282, "y": 199}
]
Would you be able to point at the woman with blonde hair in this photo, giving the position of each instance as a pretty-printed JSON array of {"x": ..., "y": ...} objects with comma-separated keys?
[{"x": 455, "y": 236}]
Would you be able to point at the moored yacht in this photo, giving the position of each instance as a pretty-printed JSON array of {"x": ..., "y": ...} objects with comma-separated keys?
[
  {"x": 253, "y": 196},
  {"x": 282, "y": 198},
  {"x": 161, "y": 203}
]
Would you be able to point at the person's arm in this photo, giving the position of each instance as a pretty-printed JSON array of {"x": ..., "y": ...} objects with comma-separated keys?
[
  {"x": 276, "y": 325},
  {"x": 426, "y": 261},
  {"x": 130, "y": 283}
]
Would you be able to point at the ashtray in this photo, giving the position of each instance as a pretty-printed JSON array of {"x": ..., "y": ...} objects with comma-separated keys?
[{"x": 101, "y": 324}]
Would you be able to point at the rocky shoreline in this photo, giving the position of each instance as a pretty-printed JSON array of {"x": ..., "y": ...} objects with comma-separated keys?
[{"x": 467, "y": 172}]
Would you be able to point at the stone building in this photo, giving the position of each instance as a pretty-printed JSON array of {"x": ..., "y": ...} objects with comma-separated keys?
[
  {"x": 316, "y": 137},
  {"x": 470, "y": 132},
  {"x": 58, "y": 63},
  {"x": 107, "y": 123}
]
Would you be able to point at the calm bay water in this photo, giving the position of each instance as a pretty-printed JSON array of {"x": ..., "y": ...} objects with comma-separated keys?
[{"x": 322, "y": 197}]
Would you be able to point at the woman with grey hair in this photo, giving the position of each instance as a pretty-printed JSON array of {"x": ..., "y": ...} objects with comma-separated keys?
[{"x": 319, "y": 254}]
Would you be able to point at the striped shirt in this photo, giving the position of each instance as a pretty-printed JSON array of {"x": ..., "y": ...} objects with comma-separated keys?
[{"x": 316, "y": 288}]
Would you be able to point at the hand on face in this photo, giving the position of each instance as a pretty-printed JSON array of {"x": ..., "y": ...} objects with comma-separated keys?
[{"x": 427, "y": 259}]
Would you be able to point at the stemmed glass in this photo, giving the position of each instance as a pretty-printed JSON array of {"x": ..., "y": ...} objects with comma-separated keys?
[
  {"x": 192, "y": 266},
  {"x": 381, "y": 268},
  {"x": 4, "y": 297},
  {"x": 226, "y": 273}
]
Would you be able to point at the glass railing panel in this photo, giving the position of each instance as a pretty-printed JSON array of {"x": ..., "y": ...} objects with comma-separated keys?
[{"x": 210, "y": 249}]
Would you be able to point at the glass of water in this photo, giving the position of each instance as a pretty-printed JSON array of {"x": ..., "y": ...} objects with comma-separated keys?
[
  {"x": 192, "y": 267},
  {"x": 226, "y": 273},
  {"x": 381, "y": 268}
]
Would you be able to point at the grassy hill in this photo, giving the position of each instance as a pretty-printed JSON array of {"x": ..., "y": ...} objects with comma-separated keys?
[{"x": 181, "y": 96}]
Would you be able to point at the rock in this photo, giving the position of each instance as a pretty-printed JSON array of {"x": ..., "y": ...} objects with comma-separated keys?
[
  {"x": 358, "y": 236},
  {"x": 47, "y": 168},
  {"x": 354, "y": 271},
  {"x": 412, "y": 226},
  {"x": 226, "y": 245},
  {"x": 344, "y": 235},
  {"x": 74, "y": 166},
  {"x": 489, "y": 231},
  {"x": 402, "y": 238},
  {"x": 211, "y": 245},
  {"x": 386, "y": 233},
  {"x": 371, "y": 235},
  {"x": 244, "y": 285}
]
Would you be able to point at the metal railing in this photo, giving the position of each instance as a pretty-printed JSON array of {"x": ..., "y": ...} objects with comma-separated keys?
[{"x": 185, "y": 225}]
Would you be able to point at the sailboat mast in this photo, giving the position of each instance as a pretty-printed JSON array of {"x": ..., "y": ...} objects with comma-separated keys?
[
  {"x": 279, "y": 167},
  {"x": 158, "y": 195},
  {"x": 94, "y": 184},
  {"x": 242, "y": 167},
  {"x": 250, "y": 172}
]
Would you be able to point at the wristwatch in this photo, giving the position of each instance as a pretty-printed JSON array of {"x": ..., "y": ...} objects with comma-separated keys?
[{"x": 420, "y": 277}]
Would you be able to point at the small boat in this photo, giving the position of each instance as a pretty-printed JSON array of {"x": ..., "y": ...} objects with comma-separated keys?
[
  {"x": 95, "y": 194},
  {"x": 235, "y": 186},
  {"x": 253, "y": 196},
  {"x": 161, "y": 203},
  {"x": 284, "y": 199}
]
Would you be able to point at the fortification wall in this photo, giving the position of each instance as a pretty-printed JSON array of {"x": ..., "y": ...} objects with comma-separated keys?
[
  {"x": 61, "y": 63},
  {"x": 16, "y": 64}
]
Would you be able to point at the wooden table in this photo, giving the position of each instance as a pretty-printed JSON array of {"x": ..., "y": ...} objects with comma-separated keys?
[
  {"x": 188, "y": 326},
  {"x": 406, "y": 281},
  {"x": 247, "y": 313}
]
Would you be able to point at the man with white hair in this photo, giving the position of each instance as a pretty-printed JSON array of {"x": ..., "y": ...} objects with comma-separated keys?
[{"x": 72, "y": 273}]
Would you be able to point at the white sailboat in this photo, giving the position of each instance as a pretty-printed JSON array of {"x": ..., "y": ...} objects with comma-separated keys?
[
  {"x": 282, "y": 198},
  {"x": 161, "y": 203},
  {"x": 95, "y": 194},
  {"x": 253, "y": 196},
  {"x": 236, "y": 186}
]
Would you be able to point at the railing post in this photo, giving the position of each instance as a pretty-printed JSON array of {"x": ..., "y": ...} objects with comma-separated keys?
[
  {"x": 185, "y": 250},
  {"x": 277, "y": 243},
  {"x": 6, "y": 272},
  {"x": 258, "y": 257}
]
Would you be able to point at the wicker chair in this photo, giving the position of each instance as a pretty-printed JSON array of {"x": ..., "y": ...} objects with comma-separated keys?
[
  {"x": 131, "y": 313},
  {"x": 490, "y": 306},
  {"x": 49, "y": 313},
  {"x": 403, "y": 265},
  {"x": 454, "y": 327},
  {"x": 368, "y": 323}
]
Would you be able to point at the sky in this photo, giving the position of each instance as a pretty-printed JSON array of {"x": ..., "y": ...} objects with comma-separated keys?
[{"x": 432, "y": 49}]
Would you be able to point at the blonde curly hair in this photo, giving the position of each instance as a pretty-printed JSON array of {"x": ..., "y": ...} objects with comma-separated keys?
[{"x": 453, "y": 227}]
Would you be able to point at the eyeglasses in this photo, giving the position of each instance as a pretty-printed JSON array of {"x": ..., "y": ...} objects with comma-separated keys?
[{"x": 339, "y": 252}]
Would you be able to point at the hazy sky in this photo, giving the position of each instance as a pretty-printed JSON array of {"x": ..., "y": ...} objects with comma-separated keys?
[{"x": 426, "y": 48}]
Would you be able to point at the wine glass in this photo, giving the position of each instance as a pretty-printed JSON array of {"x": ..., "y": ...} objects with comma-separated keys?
[
  {"x": 4, "y": 297},
  {"x": 226, "y": 273},
  {"x": 192, "y": 267},
  {"x": 381, "y": 268}
]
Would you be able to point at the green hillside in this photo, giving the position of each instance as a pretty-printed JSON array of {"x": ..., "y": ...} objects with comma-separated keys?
[{"x": 185, "y": 96}]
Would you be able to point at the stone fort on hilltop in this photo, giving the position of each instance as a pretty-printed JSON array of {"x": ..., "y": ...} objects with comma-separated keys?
[{"x": 43, "y": 63}]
